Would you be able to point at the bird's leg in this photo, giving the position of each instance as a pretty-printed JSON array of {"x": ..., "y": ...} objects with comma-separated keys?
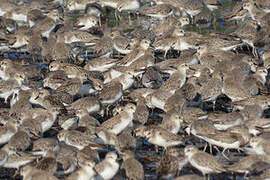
[
  {"x": 165, "y": 54},
  {"x": 107, "y": 110},
  {"x": 242, "y": 47},
  {"x": 156, "y": 148},
  {"x": 211, "y": 149},
  {"x": 254, "y": 52},
  {"x": 248, "y": 48},
  {"x": 99, "y": 21},
  {"x": 33, "y": 58},
  {"x": 239, "y": 150},
  {"x": 6, "y": 100},
  {"x": 205, "y": 146},
  {"x": 235, "y": 49},
  {"x": 115, "y": 15},
  {"x": 165, "y": 149},
  {"x": 215, "y": 22},
  {"x": 178, "y": 172},
  {"x": 217, "y": 149},
  {"x": 245, "y": 175},
  {"x": 138, "y": 16},
  {"x": 224, "y": 154},
  {"x": 192, "y": 20},
  {"x": 129, "y": 18},
  {"x": 118, "y": 18},
  {"x": 17, "y": 172}
]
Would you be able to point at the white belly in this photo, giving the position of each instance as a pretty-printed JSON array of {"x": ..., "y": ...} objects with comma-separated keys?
[
  {"x": 132, "y": 6},
  {"x": 203, "y": 169},
  {"x": 6, "y": 137},
  {"x": 19, "y": 17},
  {"x": 157, "y": 102},
  {"x": 94, "y": 108},
  {"x": 122, "y": 51},
  {"x": 5, "y": 95},
  {"x": 47, "y": 33},
  {"x": 110, "y": 101},
  {"x": 109, "y": 171},
  {"x": 46, "y": 125},
  {"x": 121, "y": 126}
]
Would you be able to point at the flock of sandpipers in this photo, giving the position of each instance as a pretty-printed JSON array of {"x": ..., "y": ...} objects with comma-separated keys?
[{"x": 121, "y": 89}]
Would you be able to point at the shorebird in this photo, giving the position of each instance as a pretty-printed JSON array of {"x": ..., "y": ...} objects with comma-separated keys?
[
  {"x": 86, "y": 171},
  {"x": 107, "y": 168},
  {"x": 94, "y": 9},
  {"x": 111, "y": 93},
  {"x": 223, "y": 121},
  {"x": 80, "y": 37},
  {"x": 43, "y": 145},
  {"x": 165, "y": 43},
  {"x": 192, "y": 7},
  {"x": 171, "y": 163},
  {"x": 202, "y": 161},
  {"x": 48, "y": 163},
  {"x": 20, "y": 141},
  {"x": 17, "y": 160},
  {"x": 29, "y": 172},
  {"x": 141, "y": 114},
  {"x": 259, "y": 146},
  {"x": 18, "y": 14},
  {"x": 244, "y": 165},
  {"x": 45, "y": 99},
  {"x": 7, "y": 131},
  {"x": 176, "y": 80},
  {"x": 212, "y": 89},
  {"x": 47, "y": 25},
  {"x": 136, "y": 53},
  {"x": 128, "y": 5},
  {"x": 76, "y": 86},
  {"x": 77, "y": 139},
  {"x": 100, "y": 64},
  {"x": 103, "y": 47},
  {"x": 119, "y": 122},
  {"x": 86, "y": 22},
  {"x": 91, "y": 104},
  {"x": 85, "y": 119},
  {"x": 3, "y": 157},
  {"x": 121, "y": 44},
  {"x": 158, "y": 136},
  {"x": 172, "y": 121},
  {"x": 78, "y": 4},
  {"x": 6, "y": 6},
  {"x": 67, "y": 159},
  {"x": 159, "y": 11},
  {"x": 33, "y": 16},
  {"x": 133, "y": 168},
  {"x": 9, "y": 87},
  {"x": 255, "y": 13},
  {"x": 212, "y": 4}
]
